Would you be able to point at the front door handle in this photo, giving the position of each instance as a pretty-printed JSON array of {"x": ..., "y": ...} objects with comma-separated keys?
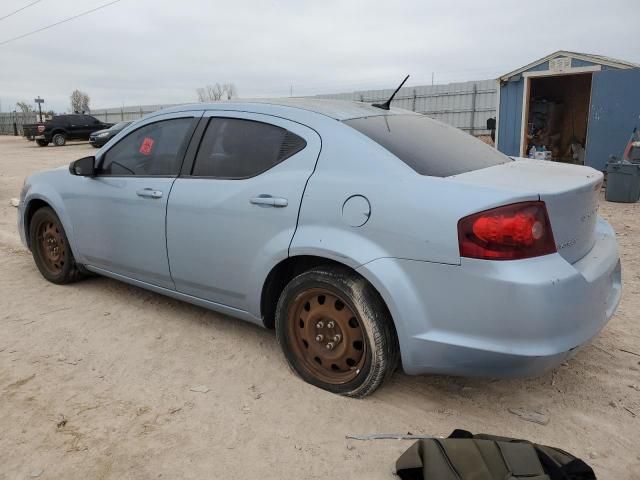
[
  {"x": 269, "y": 201},
  {"x": 149, "y": 193}
]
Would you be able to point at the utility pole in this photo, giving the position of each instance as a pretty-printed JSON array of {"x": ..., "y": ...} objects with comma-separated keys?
[
  {"x": 39, "y": 101},
  {"x": 432, "y": 74}
]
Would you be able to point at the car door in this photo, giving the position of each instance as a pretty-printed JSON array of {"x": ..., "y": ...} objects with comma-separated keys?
[
  {"x": 85, "y": 125},
  {"x": 76, "y": 126},
  {"x": 235, "y": 209},
  {"x": 119, "y": 215},
  {"x": 91, "y": 125},
  {"x": 64, "y": 122}
]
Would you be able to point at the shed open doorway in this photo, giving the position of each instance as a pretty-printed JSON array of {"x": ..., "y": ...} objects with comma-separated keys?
[{"x": 556, "y": 114}]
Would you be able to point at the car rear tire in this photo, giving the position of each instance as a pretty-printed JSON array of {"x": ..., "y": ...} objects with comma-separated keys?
[
  {"x": 336, "y": 332},
  {"x": 42, "y": 143},
  {"x": 50, "y": 248},
  {"x": 59, "y": 139}
]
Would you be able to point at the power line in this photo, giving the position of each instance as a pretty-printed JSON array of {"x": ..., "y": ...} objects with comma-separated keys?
[
  {"x": 19, "y": 10},
  {"x": 58, "y": 23}
]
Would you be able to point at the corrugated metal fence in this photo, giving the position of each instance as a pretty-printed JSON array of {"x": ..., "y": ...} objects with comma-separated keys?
[
  {"x": 9, "y": 118},
  {"x": 110, "y": 115},
  {"x": 120, "y": 114},
  {"x": 466, "y": 105}
]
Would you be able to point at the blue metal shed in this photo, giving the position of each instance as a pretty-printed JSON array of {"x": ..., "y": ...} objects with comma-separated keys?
[{"x": 581, "y": 107}]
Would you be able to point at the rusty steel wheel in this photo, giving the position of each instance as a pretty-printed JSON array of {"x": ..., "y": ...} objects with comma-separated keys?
[
  {"x": 50, "y": 248},
  {"x": 327, "y": 336},
  {"x": 336, "y": 332}
]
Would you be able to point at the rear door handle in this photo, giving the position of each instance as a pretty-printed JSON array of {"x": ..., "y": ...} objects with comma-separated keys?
[
  {"x": 149, "y": 193},
  {"x": 269, "y": 201}
]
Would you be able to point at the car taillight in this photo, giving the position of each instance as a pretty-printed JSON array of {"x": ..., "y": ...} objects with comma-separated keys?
[
  {"x": 40, "y": 128},
  {"x": 511, "y": 232}
]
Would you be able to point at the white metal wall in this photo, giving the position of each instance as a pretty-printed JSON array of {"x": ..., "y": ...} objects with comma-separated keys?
[
  {"x": 7, "y": 120},
  {"x": 120, "y": 114},
  {"x": 466, "y": 105}
]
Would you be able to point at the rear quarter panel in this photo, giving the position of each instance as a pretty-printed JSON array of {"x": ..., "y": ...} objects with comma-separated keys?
[{"x": 412, "y": 216}]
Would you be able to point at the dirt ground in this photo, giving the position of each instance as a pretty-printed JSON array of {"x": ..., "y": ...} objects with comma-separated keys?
[{"x": 96, "y": 378}]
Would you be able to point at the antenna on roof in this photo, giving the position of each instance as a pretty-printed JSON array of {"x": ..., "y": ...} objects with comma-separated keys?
[{"x": 387, "y": 104}]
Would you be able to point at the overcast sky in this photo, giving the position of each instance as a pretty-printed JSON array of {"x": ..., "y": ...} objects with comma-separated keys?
[{"x": 156, "y": 51}]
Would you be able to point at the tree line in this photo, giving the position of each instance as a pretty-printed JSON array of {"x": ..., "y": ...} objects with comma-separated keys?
[
  {"x": 213, "y": 93},
  {"x": 80, "y": 100}
]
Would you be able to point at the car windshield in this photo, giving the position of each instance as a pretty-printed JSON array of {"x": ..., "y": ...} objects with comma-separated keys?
[
  {"x": 119, "y": 125},
  {"x": 429, "y": 147}
]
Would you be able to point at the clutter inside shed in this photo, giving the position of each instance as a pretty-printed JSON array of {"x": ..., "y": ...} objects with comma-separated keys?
[{"x": 557, "y": 117}]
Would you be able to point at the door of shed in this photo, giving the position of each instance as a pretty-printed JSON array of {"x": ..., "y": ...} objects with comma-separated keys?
[{"x": 614, "y": 112}]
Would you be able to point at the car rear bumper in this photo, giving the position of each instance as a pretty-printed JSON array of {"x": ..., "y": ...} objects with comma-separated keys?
[{"x": 490, "y": 318}]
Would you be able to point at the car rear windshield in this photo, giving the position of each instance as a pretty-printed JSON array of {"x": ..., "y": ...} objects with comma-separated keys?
[{"x": 429, "y": 147}]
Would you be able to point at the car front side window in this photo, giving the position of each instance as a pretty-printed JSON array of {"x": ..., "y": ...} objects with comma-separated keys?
[{"x": 155, "y": 149}]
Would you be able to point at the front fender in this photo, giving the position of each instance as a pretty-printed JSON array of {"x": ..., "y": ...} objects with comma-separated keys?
[{"x": 47, "y": 194}]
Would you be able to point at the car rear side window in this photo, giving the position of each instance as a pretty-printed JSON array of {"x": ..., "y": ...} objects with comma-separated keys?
[
  {"x": 429, "y": 147},
  {"x": 234, "y": 148},
  {"x": 155, "y": 149}
]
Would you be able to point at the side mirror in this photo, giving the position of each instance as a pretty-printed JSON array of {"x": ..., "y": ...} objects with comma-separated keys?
[{"x": 84, "y": 167}]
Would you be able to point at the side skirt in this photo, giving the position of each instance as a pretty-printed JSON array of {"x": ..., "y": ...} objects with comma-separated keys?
[{"x": 216, "y": 307}]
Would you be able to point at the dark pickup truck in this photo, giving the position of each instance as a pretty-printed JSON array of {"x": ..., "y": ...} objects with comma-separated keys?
[{"x": 62, "y": 128}]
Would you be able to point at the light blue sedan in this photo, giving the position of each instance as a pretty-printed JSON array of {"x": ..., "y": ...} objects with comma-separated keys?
[{"x": 364, "y": 236}]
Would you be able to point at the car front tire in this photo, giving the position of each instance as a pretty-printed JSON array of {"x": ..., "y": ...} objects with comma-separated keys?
[
  {"x": 50, "y": 248},
  {"x": 336, "y": 332},
  {"x": 59, "y": 139}
]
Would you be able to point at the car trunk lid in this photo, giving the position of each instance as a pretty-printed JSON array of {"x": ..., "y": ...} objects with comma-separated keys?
[{"x": 570, "y": 192}]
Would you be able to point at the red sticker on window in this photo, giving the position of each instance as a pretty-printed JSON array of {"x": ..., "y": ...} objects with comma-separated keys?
[{"x": 147, "y": 146}]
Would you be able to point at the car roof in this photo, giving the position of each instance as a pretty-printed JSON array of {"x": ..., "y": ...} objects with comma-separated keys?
[{"x": 336, "y": 109}]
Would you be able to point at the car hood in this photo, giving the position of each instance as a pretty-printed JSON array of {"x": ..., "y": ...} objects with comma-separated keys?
[
  {"x": 106, "y": 130},
  {"x": 49, "y": 176}
]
